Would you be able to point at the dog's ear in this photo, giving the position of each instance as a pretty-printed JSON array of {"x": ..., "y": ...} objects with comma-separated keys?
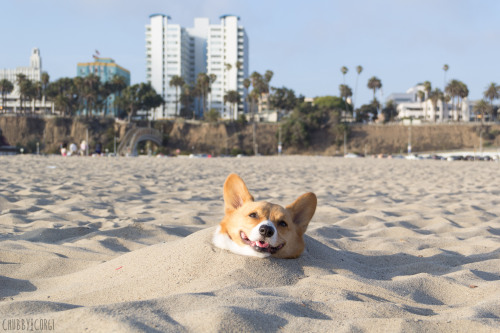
[
  {"x": 302, "y": 210},
  {"x": 235, "y": 193}
]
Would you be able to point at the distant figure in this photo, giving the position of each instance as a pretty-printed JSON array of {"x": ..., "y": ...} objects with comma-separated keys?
[
  {"x": 83, "y": 148},
  {"x": 98, "y": 148},
  {"x": 64, "y": 151},
  {"x": 72, "y": 149}
]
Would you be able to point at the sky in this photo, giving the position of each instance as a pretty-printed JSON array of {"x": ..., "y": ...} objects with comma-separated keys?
[{"x": 305, "y": 43}]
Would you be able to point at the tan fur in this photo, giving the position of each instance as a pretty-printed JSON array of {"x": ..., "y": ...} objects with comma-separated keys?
[{"x": 239, "y": 204}]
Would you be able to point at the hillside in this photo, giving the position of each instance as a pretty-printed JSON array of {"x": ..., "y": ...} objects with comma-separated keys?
[{"x": 225, "y": 138}]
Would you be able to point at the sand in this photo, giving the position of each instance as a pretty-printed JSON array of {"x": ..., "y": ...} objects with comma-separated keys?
[{"x": 124, "y": 245}]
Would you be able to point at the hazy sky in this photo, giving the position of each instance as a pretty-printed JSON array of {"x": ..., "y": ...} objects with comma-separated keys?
[{"x": 305, "y": 43}]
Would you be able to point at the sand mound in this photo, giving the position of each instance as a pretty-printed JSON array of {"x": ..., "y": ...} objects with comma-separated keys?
[{"x": 107, "y": 245}]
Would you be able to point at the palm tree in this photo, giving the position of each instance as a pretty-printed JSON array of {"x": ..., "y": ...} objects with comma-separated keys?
[
  {"x": 268, "y": 75},
  {"x": 345, "y": 92},
  {"x": 45, "y": 84},
  {"x": 463, "y": 92},
  {"x": 188, "y": 93},
  {"x": 232, "y": 97},
  {"x": 374, "y": 83},
  {"x": 177, "y": 82},
  {"x": 22, "y": 86},
  {"x": 344, "y": 71},
  {"x": 445, "y": 69},
  {"x": 91, "y": 91},
  {"x": 246, "y": 85},
  {"x": 203, "y": 85},
  {"x": 482, "y": 107},
  {"x": 452, "y": 89},
  {"x": 492, "y": 92},
  {"x": 239, "y": 64},
  {"x": 113, "y": 89},
  {"x": 435, "y": 96},
  {"x": 6, "y": 87},
  {"x": 359, "y": 69}
]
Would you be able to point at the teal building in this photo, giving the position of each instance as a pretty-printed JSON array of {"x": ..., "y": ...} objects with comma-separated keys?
[{"x": 105, "y": 69}]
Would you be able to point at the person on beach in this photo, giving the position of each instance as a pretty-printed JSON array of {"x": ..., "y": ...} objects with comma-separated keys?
[
  {"x": 72, "y": 149},
  {"x": 64, "y": 151},
  {"x": 83, "y": 148}
]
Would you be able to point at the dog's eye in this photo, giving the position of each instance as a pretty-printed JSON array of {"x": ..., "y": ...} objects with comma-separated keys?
[
  {"x": 253, "y": 215},
  {"x": 282, "y": 224}
]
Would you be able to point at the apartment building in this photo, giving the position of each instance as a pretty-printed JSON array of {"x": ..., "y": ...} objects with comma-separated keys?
[
  {"x": 219, "y": 49},
  {"x": 105, "y": 69}
]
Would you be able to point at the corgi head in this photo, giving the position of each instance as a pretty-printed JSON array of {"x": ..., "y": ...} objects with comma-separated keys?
[{"x": 262, "y": 229}]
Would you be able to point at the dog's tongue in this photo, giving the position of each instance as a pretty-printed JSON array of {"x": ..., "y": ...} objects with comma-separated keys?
[{"x": 262, "y": 244}]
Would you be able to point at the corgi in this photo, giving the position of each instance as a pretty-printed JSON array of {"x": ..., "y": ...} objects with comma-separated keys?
[{"x": 262, "y": 229}]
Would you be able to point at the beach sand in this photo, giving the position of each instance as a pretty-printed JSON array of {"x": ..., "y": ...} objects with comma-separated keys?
[{"x": 124, "y": 244}]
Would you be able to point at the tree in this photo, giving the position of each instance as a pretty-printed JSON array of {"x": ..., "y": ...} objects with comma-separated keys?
[
  {"x": 435, "y": 96},
  {"x": 492, "y": 93},
  {"x": 23, "y": 87},
  {"x": 45, "y": 79},
  {"x": 359, "y": 69},
  {"x": 6, "y": 87},
  {"x": 65, "y": 95},
  {"x": 232, "y": 97},
  {"x": 283, "y": 99},
  {"x": 344, "y": 71},
  {"x": 345, "y": 92},
  {"x": 211, "y": 116},
  {"x": 445, "y": 69},
  {"x": 483, "y": 108},
  {"x": 203, "y": 86},
  {"x": 188, "y": 94},
  {"x": 367, "y": 112},
  {"x": 177, "y": 82},
  {"x": 91, "y": 88},
  {"x": 390, "y": 111},
  {"x": 114, "y": 87},
  {"x": 374, "y": 84},
  {"x": 139, "y": 97}
]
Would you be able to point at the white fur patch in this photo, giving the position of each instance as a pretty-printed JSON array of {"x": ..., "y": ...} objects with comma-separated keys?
[
  {"x": 256, "y": 236},
  {"x": 222, "y": 240}
]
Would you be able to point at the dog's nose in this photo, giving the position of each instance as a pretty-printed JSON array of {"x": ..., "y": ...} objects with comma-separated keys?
[{"x": 266, "y": 231}]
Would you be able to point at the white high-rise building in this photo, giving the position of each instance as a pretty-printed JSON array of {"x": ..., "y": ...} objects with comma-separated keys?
[{"x": 220, "y": 49}]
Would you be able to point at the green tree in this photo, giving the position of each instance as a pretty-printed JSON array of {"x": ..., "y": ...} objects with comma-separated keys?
[
  {"x": 212, "y": 116},
  {"x": 283, "y": 99},
  {"x": 65, "y": 95},
  {"x": 390, "y": 111},
  {"x": 374, "y": 84},
  {"x": 139, "y": 97},
  {"x": 177, "y": 82},
  {"x": 359, "y": 69},
  {"x": 345, "y": 93},
  {"x": 23, "y": 86},
  {"x": 45, "y": 80},
  {"x": 344, "y": 71},
  {"x": 203, "y": 87},
  {"x": 367, "y": 112},
  {"x": 492, "y": 93},
  {"x": 6, "y": 87},
  {"x": 445, "y": 69},
  {"x": 233, "y": 98},
  {"x": 435, "y": 96},
  {"x": 91, "y": 88},
  {"x": 483, "y": 108},
  {"x": 188, "y": 94}
]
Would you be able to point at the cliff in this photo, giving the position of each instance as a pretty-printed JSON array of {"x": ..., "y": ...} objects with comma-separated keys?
[{"x": 227, "y": 138}]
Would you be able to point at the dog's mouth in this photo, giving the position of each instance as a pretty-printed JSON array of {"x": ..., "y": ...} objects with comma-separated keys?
[{"x": 260, "y": 246}]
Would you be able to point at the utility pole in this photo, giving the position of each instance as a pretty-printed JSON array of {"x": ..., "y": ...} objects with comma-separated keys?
[{"x": 409, "y": 137}]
